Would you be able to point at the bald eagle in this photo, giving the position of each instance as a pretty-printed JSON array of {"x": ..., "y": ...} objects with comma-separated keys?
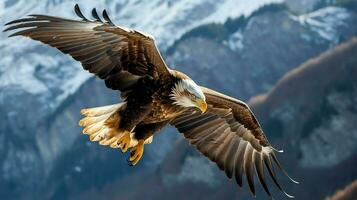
[{"x": 221, "y": 127}]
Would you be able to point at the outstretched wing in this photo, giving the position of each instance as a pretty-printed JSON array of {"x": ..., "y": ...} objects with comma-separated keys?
[
  {"x": 229, "y": 135},
  {"x": 116, "y": 54}
]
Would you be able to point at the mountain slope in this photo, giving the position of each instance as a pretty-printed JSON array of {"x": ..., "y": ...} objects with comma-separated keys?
[
  {"x": 312, "y": 112},
  {"x": 347, "y": 193},
  {"x": 308, "y": 117}
]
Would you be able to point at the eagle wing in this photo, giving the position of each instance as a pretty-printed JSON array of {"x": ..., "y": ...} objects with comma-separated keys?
[
  {"x": 116, "y": 54},
  {"x": 229, "y": 135}
]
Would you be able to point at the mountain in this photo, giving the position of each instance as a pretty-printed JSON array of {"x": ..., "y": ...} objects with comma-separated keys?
[
  {"x": 310, "y": 113},
  {"x": 304, "y": 6},
  {"x": 347, "y": 193},
  {"x": 242, "y": 52},
  {"x": 259, "y": 48},
  {"x": 314, "y": 124}
]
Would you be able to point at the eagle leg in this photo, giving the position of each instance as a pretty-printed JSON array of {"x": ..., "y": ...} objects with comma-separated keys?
[{"x": 136, "y": 153}]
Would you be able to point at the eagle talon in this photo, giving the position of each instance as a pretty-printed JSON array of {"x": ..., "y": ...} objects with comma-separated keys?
[
  {"x": 136, "y": 153},
  {"x": 124, "y": 141},
  {"x": 128, "y": 162}
]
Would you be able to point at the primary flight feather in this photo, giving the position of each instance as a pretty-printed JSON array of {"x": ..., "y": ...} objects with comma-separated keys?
[{"x": 221, "y": 127}]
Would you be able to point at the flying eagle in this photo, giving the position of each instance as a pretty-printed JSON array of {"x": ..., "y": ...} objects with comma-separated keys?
[{"x": 221, "y": 127}]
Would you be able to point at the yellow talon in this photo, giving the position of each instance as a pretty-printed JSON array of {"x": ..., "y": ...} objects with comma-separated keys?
[
  {"x": 124, "y": 141},
  {"x": 137, "y": 152}
]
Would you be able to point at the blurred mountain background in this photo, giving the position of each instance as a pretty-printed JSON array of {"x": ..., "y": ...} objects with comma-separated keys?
[{"x": 295, "y": 62}]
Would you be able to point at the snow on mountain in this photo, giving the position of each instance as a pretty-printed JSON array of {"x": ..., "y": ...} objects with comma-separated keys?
[
  {"x": 235, "y": 41},
  {"x": 326, "y": 25},
  {"x": 325, "y": 21},
  {"x": 36, "y": 69},
  {"x": 236, "y": 8}
]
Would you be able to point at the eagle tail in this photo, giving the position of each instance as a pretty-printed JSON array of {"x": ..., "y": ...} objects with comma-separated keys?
[{"x": 100, "y": 122}]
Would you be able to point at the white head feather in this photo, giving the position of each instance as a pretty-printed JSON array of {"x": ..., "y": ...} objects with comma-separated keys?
[{"x": 181, "y": 88}]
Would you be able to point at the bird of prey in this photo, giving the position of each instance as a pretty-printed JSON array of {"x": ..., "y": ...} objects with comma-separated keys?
[{"x": 221, "y": 127}]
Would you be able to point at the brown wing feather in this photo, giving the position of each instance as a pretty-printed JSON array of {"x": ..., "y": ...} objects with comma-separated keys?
[
  {"x": 118, "y": 55},
  {"x": 229, "y": 134}
]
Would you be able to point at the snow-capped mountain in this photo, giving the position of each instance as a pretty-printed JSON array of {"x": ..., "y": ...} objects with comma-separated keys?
[
  {"x": 41, "y": 90},
  {"x": 263, "y": 47}
]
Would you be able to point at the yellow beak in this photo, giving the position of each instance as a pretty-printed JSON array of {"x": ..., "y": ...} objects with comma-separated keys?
[{"x": 202, "y": 105}]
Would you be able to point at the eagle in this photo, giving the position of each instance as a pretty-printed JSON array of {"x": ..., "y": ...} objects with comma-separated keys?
[{"x": 222, "y": 128}]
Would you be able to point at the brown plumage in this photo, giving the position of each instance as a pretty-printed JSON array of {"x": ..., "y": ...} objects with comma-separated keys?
[{"x": 222, "y": 128}]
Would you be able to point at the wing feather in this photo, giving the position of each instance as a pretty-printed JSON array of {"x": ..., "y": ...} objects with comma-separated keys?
[
  {"x": 239, "y": 170},
  {"x": 228, "y": 161},
  {"x": 258, "y": 160},
  {"x": 248, "y": 168}
]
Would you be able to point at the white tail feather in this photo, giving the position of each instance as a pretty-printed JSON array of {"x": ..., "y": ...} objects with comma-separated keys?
[
  {"x": 87, "y": 121},
  {"x": 94, "y": 126},
  {"x": 97, "y": 111},
  {"x": 94, "y": 121}
]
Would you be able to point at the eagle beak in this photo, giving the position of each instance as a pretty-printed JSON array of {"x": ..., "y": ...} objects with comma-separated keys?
[{"x": 202, "y": 106}]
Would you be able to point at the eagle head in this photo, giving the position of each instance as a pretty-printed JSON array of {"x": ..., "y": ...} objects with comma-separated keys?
[{"x": 187, "y": 93}]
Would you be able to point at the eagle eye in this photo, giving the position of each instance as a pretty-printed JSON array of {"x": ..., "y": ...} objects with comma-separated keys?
[{"x": 194, "y": 97}]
